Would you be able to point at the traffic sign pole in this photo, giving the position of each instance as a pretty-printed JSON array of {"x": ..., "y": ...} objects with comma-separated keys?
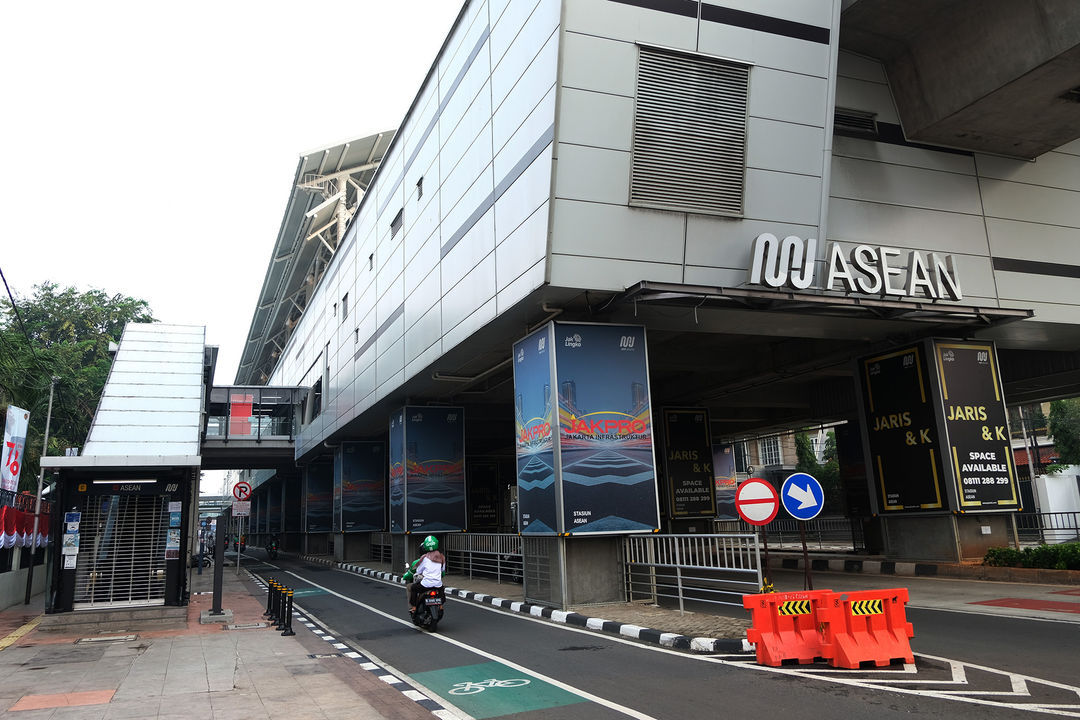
[
  {"x": 757, "y": 503},
  {"x": 803, "y": 498},
  {"x": 808, "y": 582}
]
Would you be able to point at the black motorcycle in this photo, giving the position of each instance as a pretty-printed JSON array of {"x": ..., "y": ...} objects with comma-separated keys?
[
  {"x": 271, "y": 549},
  {"x": 429, "y": 608}
]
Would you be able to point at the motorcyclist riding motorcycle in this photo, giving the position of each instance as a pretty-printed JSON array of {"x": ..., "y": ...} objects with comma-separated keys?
[
  {"x": 272, "y": 547},
  {"x": 426, "y": 572}
]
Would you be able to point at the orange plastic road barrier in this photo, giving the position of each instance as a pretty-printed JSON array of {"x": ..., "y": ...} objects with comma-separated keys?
[
  {"x": 866, "y": 626},
  {"x": 785, "y": 626}
]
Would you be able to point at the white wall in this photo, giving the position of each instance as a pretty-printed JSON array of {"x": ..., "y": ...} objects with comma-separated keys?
[
  {"x": 1060, "y": 493},
  {"x": 598, "y": 240}
]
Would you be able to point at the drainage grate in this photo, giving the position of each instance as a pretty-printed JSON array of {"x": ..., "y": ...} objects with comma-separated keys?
[
  {"x": 245, "y": 626},
  {"x": 107, "y": 638}
]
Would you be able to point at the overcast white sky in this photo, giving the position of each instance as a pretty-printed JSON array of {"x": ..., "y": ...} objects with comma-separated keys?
[{"x": 148, "y": 148}]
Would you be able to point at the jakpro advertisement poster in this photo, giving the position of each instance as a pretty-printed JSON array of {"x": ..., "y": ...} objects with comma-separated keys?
[
  {"x": 534, "y": 440},
  {"x": 435, "y": 468},
  {"x": 605, "y": 429},
  {"x": 397, "y": 471},
  {"x": 363, "y": 507}
]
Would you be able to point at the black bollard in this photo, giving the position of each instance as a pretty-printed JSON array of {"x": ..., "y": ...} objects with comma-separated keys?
[
  {"x": 281, "y": 607},
  {"x": 288, "y": 614},
  {"x": 270, "y": 598},
  {"x": 276, "y": 608}
]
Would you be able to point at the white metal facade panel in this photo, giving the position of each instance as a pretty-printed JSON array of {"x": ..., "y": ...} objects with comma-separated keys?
[
  {"x": 787, "y": 114},
  {"x": 1043, "y": 242},
  {"x": 520, "y": 91},
  {"x": 906, "y": 227}
]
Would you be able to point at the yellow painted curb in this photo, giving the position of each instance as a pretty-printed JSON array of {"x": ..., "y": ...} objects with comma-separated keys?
[{"x": 16, "y": 634}]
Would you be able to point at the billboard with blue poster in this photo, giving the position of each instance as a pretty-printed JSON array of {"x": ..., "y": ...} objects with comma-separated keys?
[
  {"x": 397, "y": 471},
  {"x": 534, "y": 439},
  {"x": 360, "y": 467},
  {"x": 434, "y": 468},
  {"x": 605, "y": 436},
  {"x": 320, "y": 488}
]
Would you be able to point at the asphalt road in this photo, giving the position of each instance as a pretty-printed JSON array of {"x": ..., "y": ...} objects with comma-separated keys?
[{"x": 489, "y": 663}]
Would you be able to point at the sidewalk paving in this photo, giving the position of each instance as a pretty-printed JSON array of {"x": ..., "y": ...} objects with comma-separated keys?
[{"x": 201, "y": 671}]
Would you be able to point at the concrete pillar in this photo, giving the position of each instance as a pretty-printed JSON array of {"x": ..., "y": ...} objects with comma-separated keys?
[{"x": 355, "y": 547}]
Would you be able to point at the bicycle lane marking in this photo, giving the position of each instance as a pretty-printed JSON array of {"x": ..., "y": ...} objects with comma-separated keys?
[
  {"x": 585, "y": 695},
  {"x": 492, "y": 689}
]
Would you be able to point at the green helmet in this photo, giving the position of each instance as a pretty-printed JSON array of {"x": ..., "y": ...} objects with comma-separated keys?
[{"x": 430, "y": 543}]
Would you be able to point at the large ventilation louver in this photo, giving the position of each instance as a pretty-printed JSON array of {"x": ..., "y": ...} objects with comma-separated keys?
[
  {"x": 854, "y": 122},
  {"x": 689, "y": 150}
]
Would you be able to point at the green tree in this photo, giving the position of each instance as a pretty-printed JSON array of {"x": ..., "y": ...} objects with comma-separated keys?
[
  {"x": 63, "y": 334},
  {"x": 1064, "y": 423},
  {"x": 827, "y": 473}
]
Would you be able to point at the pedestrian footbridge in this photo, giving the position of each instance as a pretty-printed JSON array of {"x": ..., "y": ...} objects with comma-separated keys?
[{"x": 250, "y": 426}]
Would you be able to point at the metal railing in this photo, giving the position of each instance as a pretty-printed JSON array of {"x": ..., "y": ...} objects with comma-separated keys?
[
  {"x": 716, "y": 569},
  {"x": 493, "y": 555},
  {"x": 1048, "y": 528},
  {"x": 24, "y": 501},
  {"x": 381, "y": 549},
  {"x": 834, "y": 534}
]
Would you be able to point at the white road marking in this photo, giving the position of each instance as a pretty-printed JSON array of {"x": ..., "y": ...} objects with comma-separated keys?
[
  {"x": 630, "y": 712},
  {"x": 840, "y": 677}
]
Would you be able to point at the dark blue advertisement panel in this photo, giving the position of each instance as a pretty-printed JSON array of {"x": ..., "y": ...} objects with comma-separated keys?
[
  {"x": 362, "y": 468},
  {"x": 320, "y": 488},
  {"x": 483, "y": 495},
  {"x": 605, "y": 429},
  {"x": 397, "y": 471},
  {"x": 534, "y": 439},
  {"x": 725, "y": 480},
  {"x": 435, "y": 468}
]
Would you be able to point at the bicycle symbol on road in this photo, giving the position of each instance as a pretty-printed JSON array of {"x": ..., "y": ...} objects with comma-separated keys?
[{"x": 471, "y": 688}]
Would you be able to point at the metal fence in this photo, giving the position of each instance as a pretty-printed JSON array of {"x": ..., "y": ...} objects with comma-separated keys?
[
  {"x": 717, "y": 569},
  {"x": 24, "y": 501},
  {"x": 381, "y": 548},
  {"x": 491, "y": 555},
  {"x": 1048, "y": 528},
  {"x": 838, "y": 534}
]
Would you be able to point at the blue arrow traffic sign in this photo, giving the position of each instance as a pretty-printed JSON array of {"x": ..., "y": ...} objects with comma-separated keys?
[{"x": 802, "y": 496}]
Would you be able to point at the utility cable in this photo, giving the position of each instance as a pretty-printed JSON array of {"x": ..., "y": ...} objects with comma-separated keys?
[{"x": 22, "y": 325}]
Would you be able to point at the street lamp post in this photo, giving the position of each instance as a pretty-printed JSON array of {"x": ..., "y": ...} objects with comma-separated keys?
[{"x": 37, "y": 501}]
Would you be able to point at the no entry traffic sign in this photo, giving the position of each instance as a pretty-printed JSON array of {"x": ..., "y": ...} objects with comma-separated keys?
[
  {"x": 242, "y": 490},
  {"x": 756, "y": 501}
]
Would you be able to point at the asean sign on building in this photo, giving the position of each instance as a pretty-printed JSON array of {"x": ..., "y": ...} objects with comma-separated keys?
[{"x": 863, "y": 269}]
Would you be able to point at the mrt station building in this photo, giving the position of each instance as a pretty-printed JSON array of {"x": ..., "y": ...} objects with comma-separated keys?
[{"x": 610, "y": 234}]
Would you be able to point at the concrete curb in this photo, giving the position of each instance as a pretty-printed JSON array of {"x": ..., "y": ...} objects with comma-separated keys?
[
  {"x": 634, "y": 632},
  {"x": 929, "y": 569}
]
